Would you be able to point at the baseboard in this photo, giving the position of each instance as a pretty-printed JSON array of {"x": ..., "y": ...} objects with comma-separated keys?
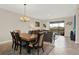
[{"x": 5, "y": 42}]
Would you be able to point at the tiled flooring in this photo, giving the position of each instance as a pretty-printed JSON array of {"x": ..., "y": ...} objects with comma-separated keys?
[{"x": 64, "y": 46}]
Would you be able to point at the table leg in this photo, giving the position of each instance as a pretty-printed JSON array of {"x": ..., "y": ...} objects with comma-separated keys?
[{"x": 20, "y": 48}]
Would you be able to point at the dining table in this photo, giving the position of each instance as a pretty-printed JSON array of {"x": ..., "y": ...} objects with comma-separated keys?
[{"x": 27, "y": 38}]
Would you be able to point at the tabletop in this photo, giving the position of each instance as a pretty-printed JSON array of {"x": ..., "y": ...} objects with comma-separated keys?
[{"x": 27, "y": 37}]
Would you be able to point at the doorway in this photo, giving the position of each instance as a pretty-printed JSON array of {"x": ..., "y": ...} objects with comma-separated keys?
[{"x": 57, "y": 27}]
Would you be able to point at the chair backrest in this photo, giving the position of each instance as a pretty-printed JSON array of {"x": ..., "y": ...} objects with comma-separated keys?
[
  {"x": 41, "y": 40},
  {"x": 17, "y": 36},
  {"x": 18, "y": 31},
  {"x": 13, "y": 35}
]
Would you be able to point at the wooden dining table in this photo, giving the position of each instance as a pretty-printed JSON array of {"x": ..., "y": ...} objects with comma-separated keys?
[{"x": 28, "y": 37}]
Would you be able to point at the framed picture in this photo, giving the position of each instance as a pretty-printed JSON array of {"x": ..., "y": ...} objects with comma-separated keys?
[
  {"x": 44, "y": 25},
  {"x": 37, "y": 24}
]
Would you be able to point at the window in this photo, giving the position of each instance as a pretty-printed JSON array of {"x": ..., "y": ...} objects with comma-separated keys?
[
  {"x": 57, "y": 27},
  {"x": 61, "y": 24},
  {"x": 53, "y": 25}
]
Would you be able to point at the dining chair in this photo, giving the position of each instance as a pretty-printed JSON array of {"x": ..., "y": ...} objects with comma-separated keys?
[
  {"x": 18, "y": 42},
  {"x": 13, "y": 39},
  {"x": 37, "y": 44}
]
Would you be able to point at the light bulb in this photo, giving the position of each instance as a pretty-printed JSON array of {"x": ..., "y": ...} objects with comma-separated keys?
[{"x": 24, "y": 18}]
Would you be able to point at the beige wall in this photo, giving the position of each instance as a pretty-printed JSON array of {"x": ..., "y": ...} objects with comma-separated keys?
[
  {"x": 10, "y": 21},
  {"x": 77, "y": 24},
  {"x": 68, "y": 28}
]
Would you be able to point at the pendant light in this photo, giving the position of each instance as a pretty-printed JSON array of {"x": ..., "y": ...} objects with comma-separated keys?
[{"x": 24, "y": 18}]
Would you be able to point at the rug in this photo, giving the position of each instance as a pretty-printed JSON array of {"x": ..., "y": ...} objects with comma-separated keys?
[{"x": 6, "y": 49}]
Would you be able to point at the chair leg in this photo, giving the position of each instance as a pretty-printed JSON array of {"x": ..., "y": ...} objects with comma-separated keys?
[
  {"x": 15, "y": 47},
  {"x": 29, "y": 50},
  {"x": 42, "y": 49},
  {"x": 38, "y": 51},
  {"x": 13, "y": 44},
  {"x": 20, "y": 50}
]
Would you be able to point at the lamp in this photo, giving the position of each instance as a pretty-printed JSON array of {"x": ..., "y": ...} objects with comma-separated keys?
[{"x": 24, "y": 18}]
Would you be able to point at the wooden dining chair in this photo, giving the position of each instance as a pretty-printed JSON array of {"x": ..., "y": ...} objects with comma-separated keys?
[
  {"x": 13, "y": 39},
  {"x": 18, "y": 42},
  {"x": 37, "y": 44}
]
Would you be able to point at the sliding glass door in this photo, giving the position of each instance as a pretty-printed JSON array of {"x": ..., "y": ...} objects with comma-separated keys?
[{"x": 57, "y": 27}]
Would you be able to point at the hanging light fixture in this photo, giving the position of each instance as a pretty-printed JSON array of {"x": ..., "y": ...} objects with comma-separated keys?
[{"x": 24, "y": 18}]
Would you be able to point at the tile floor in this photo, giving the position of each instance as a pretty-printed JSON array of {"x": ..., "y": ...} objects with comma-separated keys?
[{"x": 64, "y": 46}]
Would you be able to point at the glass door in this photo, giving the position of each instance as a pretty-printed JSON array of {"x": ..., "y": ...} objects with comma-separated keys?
[{"x": 57, "y": 27}]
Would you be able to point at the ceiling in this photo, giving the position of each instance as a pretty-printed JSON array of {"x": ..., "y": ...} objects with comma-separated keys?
[{"x": 42, "y": 11}]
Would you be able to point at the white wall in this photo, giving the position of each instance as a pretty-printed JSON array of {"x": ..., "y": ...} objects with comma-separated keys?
[{"x": 10, "y": 21}]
